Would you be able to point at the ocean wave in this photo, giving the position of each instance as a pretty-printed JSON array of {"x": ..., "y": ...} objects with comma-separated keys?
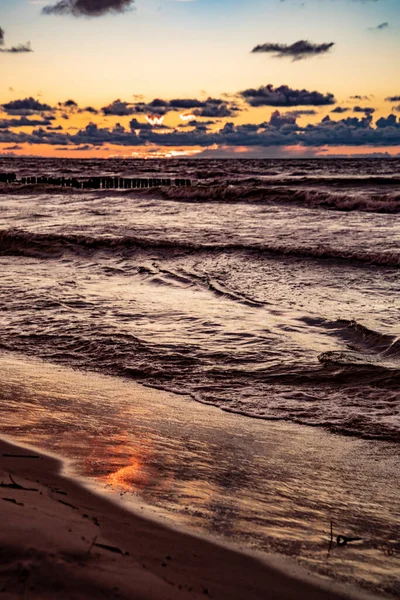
[
  {"x": 365, "y": 340},
  {"x": 16, "y": 242},
  {"x": 253, "y": 191},
  {"x": 377, "y": 202}
]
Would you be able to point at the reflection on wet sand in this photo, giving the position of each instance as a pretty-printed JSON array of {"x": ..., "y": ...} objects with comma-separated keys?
[{"x": 274, "y": 486}]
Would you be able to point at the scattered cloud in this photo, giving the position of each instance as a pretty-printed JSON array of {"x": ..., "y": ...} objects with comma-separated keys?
[
  {"x": 297, "y": 51},
  {"x": 24, "y": 122},
  {"x": 285, "y": 96},
  {"x": 210, "y": 108},
  {"x": 380, "y": 27},
  {"x": 119, "y": 109},
  {"x": 280, "y": 130},
  {"x": 19, "y": 49},
  {"x": 14, "y": 147},
  {"x": 25, "y": 107},
  {"x": 87, "y": 8},
  {"x": 71, "y": 104},
  {"x": 340, "y": 110},
  {"x": 359, "y": 97},
  {"x": 367, "y": 110},
  {"x": 393, "y": 98}
]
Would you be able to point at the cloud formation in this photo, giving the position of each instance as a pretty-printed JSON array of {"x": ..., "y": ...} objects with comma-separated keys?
[
  {"x": 393, "y": 98},
  {"x": 210, "y": 108},
  {"x": 87, "y": 8},
  {"x": 380, "y": 27},
  {"x": 280, "y": 130},
  {"x": 285, "y": 96},
  {"x": 25, "y": 107},
  {"x": 20, "y": 48},
  {"x": 297, "y": 51},
  {"x": 24, "y": 122},
  {"x": 367, "y": 110},
  {"x": 339, "y": 110}
]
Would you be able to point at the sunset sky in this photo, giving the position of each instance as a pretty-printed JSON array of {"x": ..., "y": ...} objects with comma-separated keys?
[{"x": 325, "y": 78}]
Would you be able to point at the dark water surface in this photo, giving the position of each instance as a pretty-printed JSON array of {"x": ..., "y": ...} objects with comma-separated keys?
[{"x": 269, "y": 288}]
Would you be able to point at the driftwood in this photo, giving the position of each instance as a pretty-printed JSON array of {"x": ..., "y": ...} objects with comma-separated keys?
[
  {"x": 109, "y": 548},
  {"x": 16, "y": 486},
  {"x": 341, "y": 540},
  {"x": 5, "y": 455},
  {"x": 67, "y": 504},
  {"x": 13, "y": 501}
]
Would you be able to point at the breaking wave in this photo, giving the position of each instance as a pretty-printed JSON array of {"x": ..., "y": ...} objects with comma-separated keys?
[
  {"x": 19, "y": 243},
  {"x": 253, "y": 192}
]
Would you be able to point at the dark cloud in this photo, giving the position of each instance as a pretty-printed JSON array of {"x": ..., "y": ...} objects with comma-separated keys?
[
  {"x": 210, "y": 108},
  {"x": 393, "y": 99},
  {"x": 278, "y": 120},
  {"x": 186, "y": 103},
  {"x": 119, "y": 109},
  {"x": 380, "y": 27},
  {"x": 340, "y": 110},
  {"x": 285, "y": 96},
  {"x": 89, "y": 109},
  {"x": 88, "y": 8},
  {"x": 25, "y": 107},
  {"x": 297, "y": 51},
  {"x": 281, "y": 130},
  {"x": 214, "y": 108},
  {"x": 68, "y": 104},
  {"x": 358, "y": 97},
  {"x": 24, "y": 122},
  {"x": 136, "y": 125},
  {"x": 390, "y": 121},
  {"x": 302, "y": 113},
  {"x": 367, "y": 110},
  {"x": 19, "y": 49}
]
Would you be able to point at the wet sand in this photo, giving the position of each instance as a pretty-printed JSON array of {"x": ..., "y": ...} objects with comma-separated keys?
[
  {"x": 58, "y": 538},
  {"x": 272, "y": 487}
]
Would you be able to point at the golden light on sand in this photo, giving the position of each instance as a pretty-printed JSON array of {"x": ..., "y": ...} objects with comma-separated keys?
[{"x": 129, "y": 476}]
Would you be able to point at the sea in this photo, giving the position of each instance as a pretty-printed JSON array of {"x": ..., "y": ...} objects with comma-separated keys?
[{"x": 267, "y": 289}]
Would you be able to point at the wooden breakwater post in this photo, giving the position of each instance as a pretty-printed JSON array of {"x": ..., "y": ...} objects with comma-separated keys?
[
  {"x": 97, "y": 183},
  {"x": 8, "y": 177}
]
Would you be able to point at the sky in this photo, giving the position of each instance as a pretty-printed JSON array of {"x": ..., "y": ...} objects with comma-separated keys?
[{"x": 205, "y": 78}]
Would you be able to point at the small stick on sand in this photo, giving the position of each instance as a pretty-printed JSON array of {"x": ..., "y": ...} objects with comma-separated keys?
[
  {"x": 109, "y": 548},
  {"x": 91, "y": 546},
  {"x": 330, "y": 541},
  {"x": 16, "y": 486},
  {"x": 6, "y": 455}
]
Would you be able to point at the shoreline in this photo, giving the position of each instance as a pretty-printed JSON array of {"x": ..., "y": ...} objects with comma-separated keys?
[
  {"x": 219, "y": 479},
  {"x": 52, "y": 531}
]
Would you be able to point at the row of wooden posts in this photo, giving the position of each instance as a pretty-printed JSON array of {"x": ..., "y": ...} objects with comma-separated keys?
[{"x": 94, "y": 182}]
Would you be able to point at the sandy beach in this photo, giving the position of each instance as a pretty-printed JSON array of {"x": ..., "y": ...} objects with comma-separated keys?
[{"x": 58, "y": 539}]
